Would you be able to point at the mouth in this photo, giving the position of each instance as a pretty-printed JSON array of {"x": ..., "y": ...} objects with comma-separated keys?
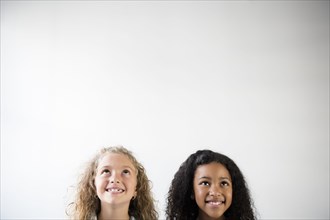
[
  {"x": 215, "y": 202},
  {"x": 114, "y": 190}
]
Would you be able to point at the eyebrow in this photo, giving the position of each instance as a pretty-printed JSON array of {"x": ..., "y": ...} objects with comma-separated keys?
[
  {"x": 204, "y": 177},
  {"x": 221, "y": 178},
  {"x": 123, "y": 167}
]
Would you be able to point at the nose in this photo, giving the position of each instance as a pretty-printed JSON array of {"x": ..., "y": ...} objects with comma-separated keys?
[
  {"x": 114, "y": 178},
  {"x": 114, "y": 181},
  {"x": 214, "y": 191}
]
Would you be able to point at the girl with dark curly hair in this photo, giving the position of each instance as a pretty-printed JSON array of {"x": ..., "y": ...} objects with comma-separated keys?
[
  {"x": 113, "y": 186},
  {"x": 209, "y": 185}
]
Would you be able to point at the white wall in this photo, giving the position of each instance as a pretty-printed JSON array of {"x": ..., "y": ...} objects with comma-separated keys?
[{"x": 163, "y": 78}]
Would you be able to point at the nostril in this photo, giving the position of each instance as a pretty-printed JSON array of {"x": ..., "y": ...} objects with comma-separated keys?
[{"x": 212, "y": 193}]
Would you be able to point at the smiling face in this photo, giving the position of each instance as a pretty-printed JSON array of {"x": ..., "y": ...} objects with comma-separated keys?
[
  {"x": 212, "y": 190},
  {"x": 115, "y": 180}
]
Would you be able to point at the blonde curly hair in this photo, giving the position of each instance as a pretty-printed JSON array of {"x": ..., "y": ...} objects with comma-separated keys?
[{"x": 87, "y": 205}]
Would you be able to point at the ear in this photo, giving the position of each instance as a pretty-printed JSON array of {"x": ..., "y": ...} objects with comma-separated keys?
[{"x": 134, "y": 196}]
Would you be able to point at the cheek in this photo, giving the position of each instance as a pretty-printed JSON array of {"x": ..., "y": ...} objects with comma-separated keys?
[
  {"x": 229, "y": 196},
  {"x": 130, "y": 182},
  {"x": 195, "y": 189},
  {"x": 98, "y": 183},
  {"x": 97, "y": 188},
  {"x": 199, "y": 194},
  {"x": 134, "y": 184}
]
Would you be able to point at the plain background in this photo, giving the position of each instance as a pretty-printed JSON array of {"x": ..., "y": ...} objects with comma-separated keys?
[{"x": 249, "y": 79}]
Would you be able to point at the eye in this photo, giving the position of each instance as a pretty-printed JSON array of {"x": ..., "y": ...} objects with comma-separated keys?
[
  {"x": 204, "y": 183},
  {"x": 224, "y": 183},
  {"x": 126, "y": 172},
  {"x": 105, "y": 172}
]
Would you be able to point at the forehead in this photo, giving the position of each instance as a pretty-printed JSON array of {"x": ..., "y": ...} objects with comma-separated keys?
[
  {"x": 115, "y": 160},
  {"x": 213, "y": 169}
]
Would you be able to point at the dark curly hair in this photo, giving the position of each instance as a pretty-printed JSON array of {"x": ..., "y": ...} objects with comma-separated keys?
[{"x": 180, "y": 206}]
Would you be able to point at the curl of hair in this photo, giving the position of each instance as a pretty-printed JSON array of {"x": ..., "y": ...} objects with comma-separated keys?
[
  {"x": 180, "y": 202},
  {"x": 87, "y": 205}
]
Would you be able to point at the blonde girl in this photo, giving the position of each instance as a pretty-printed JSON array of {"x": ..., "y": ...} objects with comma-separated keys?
[{"x": 113, "y": 186}]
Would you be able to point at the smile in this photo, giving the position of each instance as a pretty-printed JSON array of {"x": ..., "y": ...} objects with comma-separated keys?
[
  {"x": 115, "y": 190},
  {"x": 214, "y": 202}
]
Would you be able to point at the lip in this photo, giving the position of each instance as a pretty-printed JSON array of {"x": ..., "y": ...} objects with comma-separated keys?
[
  {"x": 114, "y": 189},
  {"x": 215, "y": 203}
]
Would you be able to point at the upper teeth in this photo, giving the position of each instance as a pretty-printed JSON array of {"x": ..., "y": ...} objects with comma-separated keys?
[
  {"x": 115, "y": 190},
  {"x": 215, "y": 203}
]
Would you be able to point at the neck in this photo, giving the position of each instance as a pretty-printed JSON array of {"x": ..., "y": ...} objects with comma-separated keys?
[
  {"x": 110, "y": 212},
  {"x": 199, "y": 217}
]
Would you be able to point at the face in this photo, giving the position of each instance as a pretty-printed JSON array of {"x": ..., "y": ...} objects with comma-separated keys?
[
  {"x": 115, "y": 180},
  {"x": 212, "y": 190}
]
